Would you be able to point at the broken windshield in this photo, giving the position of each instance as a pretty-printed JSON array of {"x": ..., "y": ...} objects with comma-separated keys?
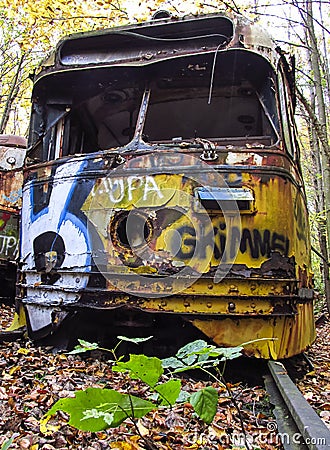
[
  {"x": 217, "y": 96},
  {"x": 229, "y": 97}
]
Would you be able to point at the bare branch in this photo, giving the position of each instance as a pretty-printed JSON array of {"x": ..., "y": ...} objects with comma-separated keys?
[{"x": 318, "y": 126}]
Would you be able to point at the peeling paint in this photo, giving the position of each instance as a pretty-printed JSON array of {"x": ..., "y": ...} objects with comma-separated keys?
[{"x": 240, "y": 158}]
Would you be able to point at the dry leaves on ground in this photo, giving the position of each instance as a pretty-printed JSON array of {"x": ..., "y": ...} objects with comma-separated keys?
[
  {"x": 316, "y": 384},
  {"x": 33, "y": 378}
]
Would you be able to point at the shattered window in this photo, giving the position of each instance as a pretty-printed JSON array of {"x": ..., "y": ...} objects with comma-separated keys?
[
  {"x": 231, "y": 112},
  {"x": 202, "y": 99},
  {"x": 91, "y": 112}
]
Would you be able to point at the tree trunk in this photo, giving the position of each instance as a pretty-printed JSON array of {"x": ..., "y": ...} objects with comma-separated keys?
[
  {"x": 11, "y": 96},
  {"x": 319, "y": 143},
  {"x": 319, "y": 208}
]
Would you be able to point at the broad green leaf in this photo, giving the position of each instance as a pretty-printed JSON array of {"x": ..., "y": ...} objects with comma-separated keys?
[
  {"x": 231, "y": 352},
  {"x": 199, "y": 354},
  {"x": 84, "y": 347},
  {"x": 96, "y": 409},
  {"x": 178, "y": 366},
  {"x": 144, "y": 368},
  {"x": 187, "y": 356},
  {"x": 97, "y": 414},
  {"x": 203, "y": 357},
  {"x": 184, "y": 368},
  {"x": 136, "y": 407},
  {"x": 191, "y": 348},
  {"x": 205, "y": 403},
  {"x": 206, "y": 350},
  {"x": 91, "y": 398},
  {"x": 169, "y": 392},
  {"x": 134, "y": 340},
  {"x": 190, "y": 360},
  {"x": 184, "y": 396},
  {"x": 224, "y": 352},
  {"x": 172, "y": 362}
]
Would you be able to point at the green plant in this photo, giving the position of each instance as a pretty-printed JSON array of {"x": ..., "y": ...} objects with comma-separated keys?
[{"x": 95, "y": 409}]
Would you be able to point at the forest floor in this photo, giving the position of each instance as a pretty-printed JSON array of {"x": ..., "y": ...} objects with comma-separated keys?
[
  {"x": 315, "y": 385},
  {"x": 34, "y": 378}
]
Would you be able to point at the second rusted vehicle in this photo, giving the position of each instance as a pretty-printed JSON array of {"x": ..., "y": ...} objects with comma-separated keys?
[
  {"x": 162, "y": 189},
  {"x": 12, "y": 154}
]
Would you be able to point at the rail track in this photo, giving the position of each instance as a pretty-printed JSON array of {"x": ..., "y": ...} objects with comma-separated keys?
[{"x": 297, "y": 424}]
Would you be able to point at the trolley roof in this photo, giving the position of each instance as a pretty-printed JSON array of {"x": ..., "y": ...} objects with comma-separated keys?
[{"x": 158, "y": 40}]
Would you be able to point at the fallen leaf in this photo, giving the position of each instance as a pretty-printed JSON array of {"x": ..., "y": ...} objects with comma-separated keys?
[
  {"x": 23, "y": 351},
  {"x": 14, "y": 369},
  {"x": 46, "y": 428},
  {"x": 121, "y": 445},
  {"x": 143, "y": 431}
]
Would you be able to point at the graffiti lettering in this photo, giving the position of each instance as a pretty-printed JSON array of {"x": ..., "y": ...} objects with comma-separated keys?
[
  {"x": 257, "y": 242},
  {"x": 300, "y": 218},
  {"x": 58, "y": 220},
  {"x": 151, "y": 186},
  {"x": 188, "y": 242},
  {"x": 8, "y": 245},
  {"x": 263, "y": 243},
  {"x": 117, "y": 188}
]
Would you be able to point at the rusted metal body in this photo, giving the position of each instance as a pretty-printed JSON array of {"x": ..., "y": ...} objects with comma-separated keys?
[
  {"x": 163, "y": 186},
  {"x": 12, "y": 153}
]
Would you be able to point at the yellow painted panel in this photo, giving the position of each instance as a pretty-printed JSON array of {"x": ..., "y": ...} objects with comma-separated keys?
[
  {"x": 287, "y": 336},
  {"x": 206, "y": 239}
]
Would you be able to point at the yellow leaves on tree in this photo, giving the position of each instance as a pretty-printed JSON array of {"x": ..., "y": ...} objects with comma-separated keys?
[
  {"x": 43, "y": 23},
  {"x": 31, "y": 28}
]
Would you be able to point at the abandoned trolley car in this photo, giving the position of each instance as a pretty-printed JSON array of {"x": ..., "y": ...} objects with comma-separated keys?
[{"x": 162, "y": 188}]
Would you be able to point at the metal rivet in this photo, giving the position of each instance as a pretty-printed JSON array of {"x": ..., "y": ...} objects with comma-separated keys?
[{"x": 231, "y": 306}]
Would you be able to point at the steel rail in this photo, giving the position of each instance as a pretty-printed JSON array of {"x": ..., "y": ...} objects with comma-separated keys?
[{"x": 298, "y": 425}]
